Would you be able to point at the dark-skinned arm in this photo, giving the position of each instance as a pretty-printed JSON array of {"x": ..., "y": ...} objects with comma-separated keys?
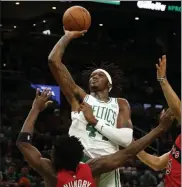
[
  {"x": 61, "y": 73},
  {"x": 111, "y": 162},
  {"x": 30, "y": 153}
]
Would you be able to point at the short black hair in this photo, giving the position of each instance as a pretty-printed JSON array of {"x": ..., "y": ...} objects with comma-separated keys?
[
  {"x": 113, "y": 69},
  {"x": 67, "y": 152}
]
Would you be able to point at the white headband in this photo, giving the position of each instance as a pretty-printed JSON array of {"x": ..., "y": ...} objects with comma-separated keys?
[{"x": 107, "y": 75}]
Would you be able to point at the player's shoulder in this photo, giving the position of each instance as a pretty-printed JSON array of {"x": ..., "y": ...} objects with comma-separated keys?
[
  {"x": 178, "y": 140},
  {"x": 88, "y": 97},
  {"x": 83, "y": 167},
  {"x": 123, "y": 102}
]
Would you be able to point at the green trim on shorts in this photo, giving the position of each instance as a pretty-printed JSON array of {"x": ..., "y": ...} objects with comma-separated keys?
[
  {"x": 85, "y": 158},
  {"x": 116, "y": 178},
  {"x": 116, "y": 100}
]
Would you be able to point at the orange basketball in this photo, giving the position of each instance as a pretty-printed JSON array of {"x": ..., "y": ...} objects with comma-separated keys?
[{"x": 76, "y": 18}]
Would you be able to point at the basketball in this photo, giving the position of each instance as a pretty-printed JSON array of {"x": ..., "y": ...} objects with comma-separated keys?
[{"x": 76, "y": 18}]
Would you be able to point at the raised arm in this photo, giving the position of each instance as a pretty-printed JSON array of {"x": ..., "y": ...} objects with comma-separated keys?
[
  {"x": 172, "y": 99},
  {"x": 59, "y": 70},
  {"x": 154, "y": 162},
  {"x": 108, "y": 163},
  {"x": 30, "y": 153}
]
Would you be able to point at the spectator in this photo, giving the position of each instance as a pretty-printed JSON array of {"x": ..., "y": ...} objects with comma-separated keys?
[
  {"x": 25, "y": 179},
  {"x": 148, "y": 179},
  {"x": 10, "y": 177},
  {"x": 8, "y": 159}
]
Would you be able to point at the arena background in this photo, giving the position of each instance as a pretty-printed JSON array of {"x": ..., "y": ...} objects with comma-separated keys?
[{"x": 124, "y": 34}]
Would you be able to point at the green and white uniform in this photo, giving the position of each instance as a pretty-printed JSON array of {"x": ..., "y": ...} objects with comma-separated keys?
[{"x": 96, "y": 144}]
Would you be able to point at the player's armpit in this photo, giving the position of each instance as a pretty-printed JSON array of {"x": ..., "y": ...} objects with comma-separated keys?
[
  {"x": 35, "y": 160},
  {"x": 154, "y": 162},
  {"x": 124, "y": 117}
]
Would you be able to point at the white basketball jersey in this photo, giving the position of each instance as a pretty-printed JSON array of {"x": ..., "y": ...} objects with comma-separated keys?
[{"x": 95, "y": 144}]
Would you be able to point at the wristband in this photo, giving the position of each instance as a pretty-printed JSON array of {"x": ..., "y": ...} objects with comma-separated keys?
[
  {"x": 25, "y": 137},
  {"x": 161, "y": 79}
]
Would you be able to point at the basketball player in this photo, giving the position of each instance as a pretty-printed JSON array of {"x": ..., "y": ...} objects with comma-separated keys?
[
  {"x": 170, "y": 161},
  {"x": 64, "y": 169},
  {"x": 111, "y": 113}
]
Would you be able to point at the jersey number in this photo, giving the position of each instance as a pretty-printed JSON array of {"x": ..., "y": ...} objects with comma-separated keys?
[
  {"x": 92, "y": 132},
  {"x": 169, "y": 165}
]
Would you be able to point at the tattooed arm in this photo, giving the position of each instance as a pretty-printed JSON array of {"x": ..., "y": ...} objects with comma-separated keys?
[{"x": 69, "y": 88}]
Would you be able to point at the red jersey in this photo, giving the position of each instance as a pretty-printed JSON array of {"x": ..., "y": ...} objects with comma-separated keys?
[
  {"x": 82, "y": 177},
  {"x": 173, "y": 170}
]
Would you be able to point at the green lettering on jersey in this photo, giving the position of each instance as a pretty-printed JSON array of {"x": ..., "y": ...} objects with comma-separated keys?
[
  {"x": 104, "y": 113},
  {"x": 92, "y": 132}
]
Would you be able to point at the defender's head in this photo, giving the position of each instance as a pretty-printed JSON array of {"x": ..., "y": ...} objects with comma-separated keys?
[
  {"x": 100, "y": 80},
  {"x": 67, "y": 153}
]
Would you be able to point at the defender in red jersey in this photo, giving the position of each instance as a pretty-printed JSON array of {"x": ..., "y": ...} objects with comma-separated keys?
[
  {"x": 82, "y": 177},
  {"x": 173, "y": 170},
  {"x": 170, "y": 161},
  {"x": 64, "y": 169}
]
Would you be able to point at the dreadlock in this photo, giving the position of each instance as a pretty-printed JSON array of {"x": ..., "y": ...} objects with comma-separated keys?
[{"x": 114, "y": 71}]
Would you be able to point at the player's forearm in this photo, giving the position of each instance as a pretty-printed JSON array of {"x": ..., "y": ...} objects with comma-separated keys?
[
  {"x": 135, "y": 147},
  {"x": 172, "y": 99},
  {"x": 111, "y": 162},
  {"x": 30, "y": 121},
  {"x": 25, "y": 136},
  {"x": 122, "y": 136},
  {"x": 150, "y": 160},
  {"x": 58, "y": 51},
  {"x": 24, "y": 140}
]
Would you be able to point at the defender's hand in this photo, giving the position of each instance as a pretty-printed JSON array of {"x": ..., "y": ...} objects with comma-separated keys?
[
  {"x": 74, "y": 34},
  {"x": 41, "y": 100},
  {"x": 161, "y": 67},
  {"x": 166, "y": 119},
  {"x": 88, "y": 113}
]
